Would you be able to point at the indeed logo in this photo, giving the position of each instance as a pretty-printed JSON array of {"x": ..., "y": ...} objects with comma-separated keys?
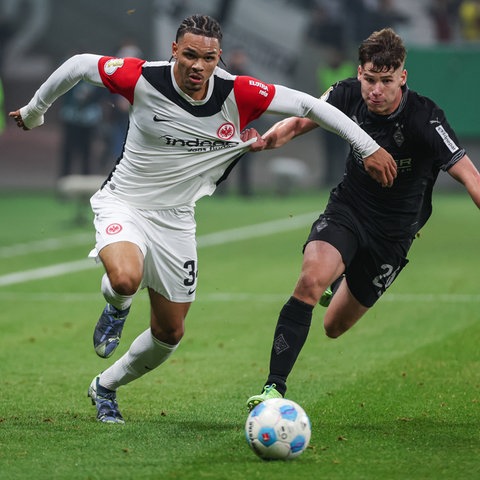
[{"x": 196, "y": 144}]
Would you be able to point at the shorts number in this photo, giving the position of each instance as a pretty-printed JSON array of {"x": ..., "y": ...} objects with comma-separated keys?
[
  {"x": 191, "y": 272},
  {"x": 384, "y": 280}
]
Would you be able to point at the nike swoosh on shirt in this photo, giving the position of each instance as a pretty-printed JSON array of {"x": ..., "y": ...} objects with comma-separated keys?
[{"x": 158, "y": 119}]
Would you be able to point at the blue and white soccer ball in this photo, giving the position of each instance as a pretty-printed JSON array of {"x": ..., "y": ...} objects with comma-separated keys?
[{"x": 278, "y": 429}]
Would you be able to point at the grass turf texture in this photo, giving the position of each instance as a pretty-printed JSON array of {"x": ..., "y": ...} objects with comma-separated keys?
[{"x": 395, "y": 398}]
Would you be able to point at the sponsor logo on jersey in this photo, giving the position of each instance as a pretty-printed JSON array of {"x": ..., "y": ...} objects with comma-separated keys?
[
  {"x": 197, "y": 144},
  {"x": 263, "y": 88},
  {"x": 256, "y": 83},
  {"x": 404, "y": 165},
  {"x": 112, "y": 65},
  {"x": 446, "y": 139},
  {"x": 226, "y": 131}
]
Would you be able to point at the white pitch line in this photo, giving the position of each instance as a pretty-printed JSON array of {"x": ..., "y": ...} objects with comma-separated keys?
[
  {"x": 242, "y": 297},
  {"x": 46, "y": 272},
  {"x": 208, "y": 240},
  {"x": 432, "y": 297},
  {"x": 46, "y": 245},
  {"x": 258, "y": 230}
]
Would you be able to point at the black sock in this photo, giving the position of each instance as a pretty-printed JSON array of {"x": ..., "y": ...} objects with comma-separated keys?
[{"x": 290, "y": 335}]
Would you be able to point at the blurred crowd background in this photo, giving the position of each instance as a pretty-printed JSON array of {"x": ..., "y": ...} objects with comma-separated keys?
[{"x": 305, "y": 44}]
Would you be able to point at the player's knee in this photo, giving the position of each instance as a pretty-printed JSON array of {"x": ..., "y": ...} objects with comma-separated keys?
[
  {"x": 125, "y": 283},
  {"x": 338, "y": 325},
  {"x": 333, "y": 332},
  {"x": 310, "y": 286},
  {"x": 334, "y": 326},
  {"x": 171, "y": 335}
]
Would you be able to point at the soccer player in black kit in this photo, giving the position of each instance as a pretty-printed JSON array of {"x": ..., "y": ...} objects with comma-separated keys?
[{"x": 361, "y": 241}]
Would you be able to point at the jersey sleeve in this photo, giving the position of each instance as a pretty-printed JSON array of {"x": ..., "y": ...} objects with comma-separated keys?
[
  {"x": 299, "y": 104},
  {"x": 120, "y": 75},
  {"x": 66, "y": 76},
  {"x": 253, "y": 98},
  {"x": 446, "y": 144},
  {"x": 438, "y": 135}
]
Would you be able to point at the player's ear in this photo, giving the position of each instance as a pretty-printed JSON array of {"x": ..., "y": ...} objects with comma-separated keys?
[
  {"x": 174, "y": 49},
  {"x": 404, "y": 77},
  {"x": 359, "y": 72}
]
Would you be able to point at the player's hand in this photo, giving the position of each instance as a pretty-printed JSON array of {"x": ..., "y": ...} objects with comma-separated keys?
[
  {"x": 18, "y": 119},
  {"x": 256, "y": 146},
  {"x": 381, "y": 166}
]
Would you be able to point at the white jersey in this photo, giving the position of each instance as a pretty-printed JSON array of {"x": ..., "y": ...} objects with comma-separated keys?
[{"x": 177, "y": 149}]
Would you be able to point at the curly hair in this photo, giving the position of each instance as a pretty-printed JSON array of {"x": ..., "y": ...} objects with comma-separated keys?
[
  {"x": 384, "y": 48},
  {"x": 200, "y": 25}
]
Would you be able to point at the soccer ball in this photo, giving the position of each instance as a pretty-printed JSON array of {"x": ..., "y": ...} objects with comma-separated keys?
[{"x": 278, "y": 429}]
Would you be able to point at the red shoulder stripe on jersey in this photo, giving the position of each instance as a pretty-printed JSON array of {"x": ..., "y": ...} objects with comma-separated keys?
[
  {"x": 120, "y": 75},
  {"x": 253, "y": 98}
]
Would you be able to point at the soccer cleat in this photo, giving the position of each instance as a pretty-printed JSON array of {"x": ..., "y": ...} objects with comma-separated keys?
[
  {"x": 269, "y": 391},
  {"x": 106, "y": 402},
  {"x": 326, "y": 297},
  {"x": 108, "y": 330}
]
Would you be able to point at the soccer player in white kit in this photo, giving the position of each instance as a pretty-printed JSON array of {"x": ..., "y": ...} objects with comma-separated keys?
[{"x": 184, "y": 136}]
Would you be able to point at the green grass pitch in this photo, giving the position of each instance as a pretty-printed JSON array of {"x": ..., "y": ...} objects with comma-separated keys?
[{"x": 397, "y": 397}]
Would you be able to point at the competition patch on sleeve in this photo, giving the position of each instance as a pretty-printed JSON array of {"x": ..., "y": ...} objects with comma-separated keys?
[
  {"x": 112, "y": 65},
  {"x": 120, "y": 75},
  {"x": 451, "y": 145}
]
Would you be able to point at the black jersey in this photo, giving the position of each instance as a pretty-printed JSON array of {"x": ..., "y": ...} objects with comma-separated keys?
[{"x": 421, "y": 141}]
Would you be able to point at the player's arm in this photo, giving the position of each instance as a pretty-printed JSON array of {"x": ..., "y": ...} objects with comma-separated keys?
[
  {"x": 465, "y": 172},
  {"x": 279, "y": 134},
  {"x": 377, "y": 161},
  {"x": 65, "y": 77},
  {"x": 285, "y": 130}
]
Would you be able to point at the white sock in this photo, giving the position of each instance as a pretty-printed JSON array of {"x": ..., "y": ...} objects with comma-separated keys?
[
  {"x": 121, "y": 302},
  {"x": 145, "y": 354}
]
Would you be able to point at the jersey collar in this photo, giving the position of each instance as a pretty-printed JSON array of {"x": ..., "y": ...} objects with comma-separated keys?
[{"x": 188, "y": 98}]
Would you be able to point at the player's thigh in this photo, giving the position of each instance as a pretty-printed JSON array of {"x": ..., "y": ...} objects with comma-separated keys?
[{"x": 117, "y": 222}]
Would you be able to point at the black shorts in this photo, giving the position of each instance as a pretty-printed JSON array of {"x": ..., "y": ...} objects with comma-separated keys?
[{"x": 371, "y": 264}]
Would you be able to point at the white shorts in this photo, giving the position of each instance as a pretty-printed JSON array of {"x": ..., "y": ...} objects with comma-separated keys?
[{"x": 165, "y": 237}]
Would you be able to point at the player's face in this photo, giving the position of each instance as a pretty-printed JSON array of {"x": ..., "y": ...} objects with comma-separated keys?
[
  {"x": 381, "y": 91},
  {"x": 196, "y": 57}
]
